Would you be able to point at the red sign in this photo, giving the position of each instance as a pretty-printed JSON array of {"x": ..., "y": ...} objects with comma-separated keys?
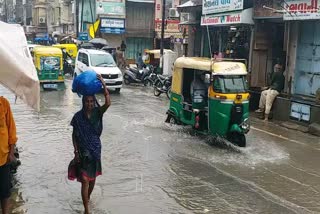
[
  {"x": 310, "y": 6},
  {"x": 171, "y": 26}
]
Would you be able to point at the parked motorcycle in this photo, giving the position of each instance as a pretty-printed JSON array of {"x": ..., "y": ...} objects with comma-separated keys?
[
  {"x": 151, "y": 78},
  {"x": 163, "y": 85},
  {"x": 135, "y": 75}
]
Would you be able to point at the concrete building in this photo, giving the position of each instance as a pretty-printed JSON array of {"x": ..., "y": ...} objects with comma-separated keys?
[
  {"x": 139, "y": 27},
  {"x": 291, "y": 35},
  {"x": 52, "y": 17}
]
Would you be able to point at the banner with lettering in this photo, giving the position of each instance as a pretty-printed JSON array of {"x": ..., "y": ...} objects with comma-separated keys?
[
  {"x": 242, "y": 17},
  {"x": 301, "y": 9},
  {"x": 219, "y": 6}
]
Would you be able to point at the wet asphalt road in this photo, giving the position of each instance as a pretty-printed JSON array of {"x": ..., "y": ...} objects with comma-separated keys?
[{"x": 152, "y": 167}]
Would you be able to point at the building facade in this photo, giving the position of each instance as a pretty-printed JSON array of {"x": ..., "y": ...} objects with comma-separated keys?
[
  {"x": 139, "y": 27},
  {"x": 289, "y": 32},
  {"x": 52, "y": 17},
  {"x": 113, "y": 17}
]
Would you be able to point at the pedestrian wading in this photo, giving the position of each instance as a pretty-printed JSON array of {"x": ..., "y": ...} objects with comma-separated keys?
[{"x": 87, "y": 129}]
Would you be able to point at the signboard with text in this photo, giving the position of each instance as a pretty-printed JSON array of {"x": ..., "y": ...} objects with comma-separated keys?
[
  {"x": 220, "y": 6},
  {"x": 301, "y": 9},
  {"x": 242, "y": 17},
  {"x": 113, "y": 26},
  {"x": 112, "y": 23},
  {"x": 111, "y": 8},
  {"x": 83, "y": 36}
]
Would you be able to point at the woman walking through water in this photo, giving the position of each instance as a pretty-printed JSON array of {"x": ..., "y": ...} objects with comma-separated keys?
[{"x": 87, "y": 129}]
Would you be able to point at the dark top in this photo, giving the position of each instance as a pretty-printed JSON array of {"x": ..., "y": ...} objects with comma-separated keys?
[{"x": 277, "y": 81}]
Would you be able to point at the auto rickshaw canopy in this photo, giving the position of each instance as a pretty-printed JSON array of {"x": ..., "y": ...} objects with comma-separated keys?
[
  {"x": 72, "y": 49},
  {"x": 47, "y": 51},
  {"x": 221, "y": 67},
  {"x": 200, "y": 64},
  {"x": 156, "y": 52}
]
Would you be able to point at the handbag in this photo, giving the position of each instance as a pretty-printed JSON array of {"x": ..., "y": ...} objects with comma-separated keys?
[{"x": 74, "y": 170}]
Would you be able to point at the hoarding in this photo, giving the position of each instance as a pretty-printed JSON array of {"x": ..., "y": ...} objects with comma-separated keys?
[
  {"x": 301, "y": 9},
  {"x": 111, "y": 8},
  {"x": 220, "y": 6},
  {"x": 242, "y": 17}
]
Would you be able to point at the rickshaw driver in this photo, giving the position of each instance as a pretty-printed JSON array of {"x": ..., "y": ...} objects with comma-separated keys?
[{"x": 199, "y": 89}]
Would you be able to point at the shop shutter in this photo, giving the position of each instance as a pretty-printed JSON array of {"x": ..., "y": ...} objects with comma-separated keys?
[
  {"x": 137, "y": 45},
  {"x": 307, "y": 73}
]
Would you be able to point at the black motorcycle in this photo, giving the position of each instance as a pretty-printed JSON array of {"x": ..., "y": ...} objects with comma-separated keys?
[
  {"x": 135, "y": 75},
  {"x": 162, "y": 85},
  {"x": 151, "y": 78}
]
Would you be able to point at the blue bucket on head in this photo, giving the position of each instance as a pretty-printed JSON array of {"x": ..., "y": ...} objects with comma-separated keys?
[{"x": 86, "y": 83}]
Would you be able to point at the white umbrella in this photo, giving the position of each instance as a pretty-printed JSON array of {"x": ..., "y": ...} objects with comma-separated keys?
[
  {"x": 17, "y": 71},
  {"x": 99, "y": 41}
]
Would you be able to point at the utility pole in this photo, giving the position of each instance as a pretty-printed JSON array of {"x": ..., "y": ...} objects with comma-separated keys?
[
  {"x": 77, "y": 17},
  {"x": 162, "y": 33},
  {"x": 82, "y": 4},
  {"x": 6, "y": 11}
]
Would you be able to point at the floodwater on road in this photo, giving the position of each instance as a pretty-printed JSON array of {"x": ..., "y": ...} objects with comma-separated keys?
[{"x": 153, "y": 167}]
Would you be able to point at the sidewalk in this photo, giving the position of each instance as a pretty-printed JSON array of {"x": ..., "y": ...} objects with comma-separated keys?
[{"x": 312, "y": 129}]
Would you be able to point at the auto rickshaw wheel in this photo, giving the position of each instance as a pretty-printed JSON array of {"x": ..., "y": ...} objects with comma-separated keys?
[
  {"x": 237, "y": 139},
  {"x": 171, "y": 119}
]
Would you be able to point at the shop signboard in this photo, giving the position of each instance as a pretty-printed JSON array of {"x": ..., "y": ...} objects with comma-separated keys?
[
  {"x": 111, "y": 8},
  {"x": 301, "y": 9},
  {"x": 242, "y": 17},
  {"x": 112, "y": 25},
  {"x": 220, "y": 6},
  {"x": 83, "y": 36},
  {"x": 172, "y": 28}
]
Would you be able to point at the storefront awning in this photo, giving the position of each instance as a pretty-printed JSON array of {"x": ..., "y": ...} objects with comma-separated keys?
[
  {"x": 190, "y": 4},
  {"x": 230, "y": 18}
]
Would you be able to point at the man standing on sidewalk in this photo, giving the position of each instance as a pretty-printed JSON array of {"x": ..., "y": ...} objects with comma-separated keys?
[
  {"x": 8, "y": 139},
  {"x": 268, "y": 95}
]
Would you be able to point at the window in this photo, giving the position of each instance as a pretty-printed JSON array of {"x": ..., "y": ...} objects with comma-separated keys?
[
  {"x": 102, "y": 60},
  {"x": 230, "y": 84},
  {"x": 85, "y": 59}
]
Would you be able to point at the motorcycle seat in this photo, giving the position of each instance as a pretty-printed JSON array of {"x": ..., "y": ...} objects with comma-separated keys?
[
  {"x": 135, "y": 70},
  {"x": 163, "y": 77}
]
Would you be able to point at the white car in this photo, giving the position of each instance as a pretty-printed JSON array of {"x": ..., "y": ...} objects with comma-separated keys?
[{"x": 102, "y": 63}]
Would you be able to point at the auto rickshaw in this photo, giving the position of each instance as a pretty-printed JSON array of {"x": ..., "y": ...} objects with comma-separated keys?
[
  {"x": 70, "y": 52},
  {"x": 71, "y": 49},
  {"x": 48, "y": 62},
  {"x": 154, "y": 60},
  {"x": 220, "y": 107}
]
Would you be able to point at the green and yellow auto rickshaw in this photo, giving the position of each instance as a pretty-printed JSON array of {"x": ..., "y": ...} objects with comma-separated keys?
[
  {"x": 69, "y": 52},
  {"x": 48, "y": 62},
  {"x": 211, "y": 96}
]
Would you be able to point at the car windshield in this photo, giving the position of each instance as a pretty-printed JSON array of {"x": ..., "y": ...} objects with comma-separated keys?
[
  {"x": 102, "y": 60},
  {"x": 230, "y": 84}
]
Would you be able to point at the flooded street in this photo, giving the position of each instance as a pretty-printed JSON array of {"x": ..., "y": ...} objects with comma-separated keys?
[{"x": 151, "y": 167}]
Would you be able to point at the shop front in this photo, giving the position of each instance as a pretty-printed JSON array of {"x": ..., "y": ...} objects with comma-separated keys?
[
  {"x": 113, "y": 18},
  {"x": 227, "y": 34},
  {"x": 303, "y": 18},
  {"x": 139, "y": 28}
]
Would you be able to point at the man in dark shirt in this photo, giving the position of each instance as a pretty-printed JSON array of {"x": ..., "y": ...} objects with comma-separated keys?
[{"x": 268, "y": 95}]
